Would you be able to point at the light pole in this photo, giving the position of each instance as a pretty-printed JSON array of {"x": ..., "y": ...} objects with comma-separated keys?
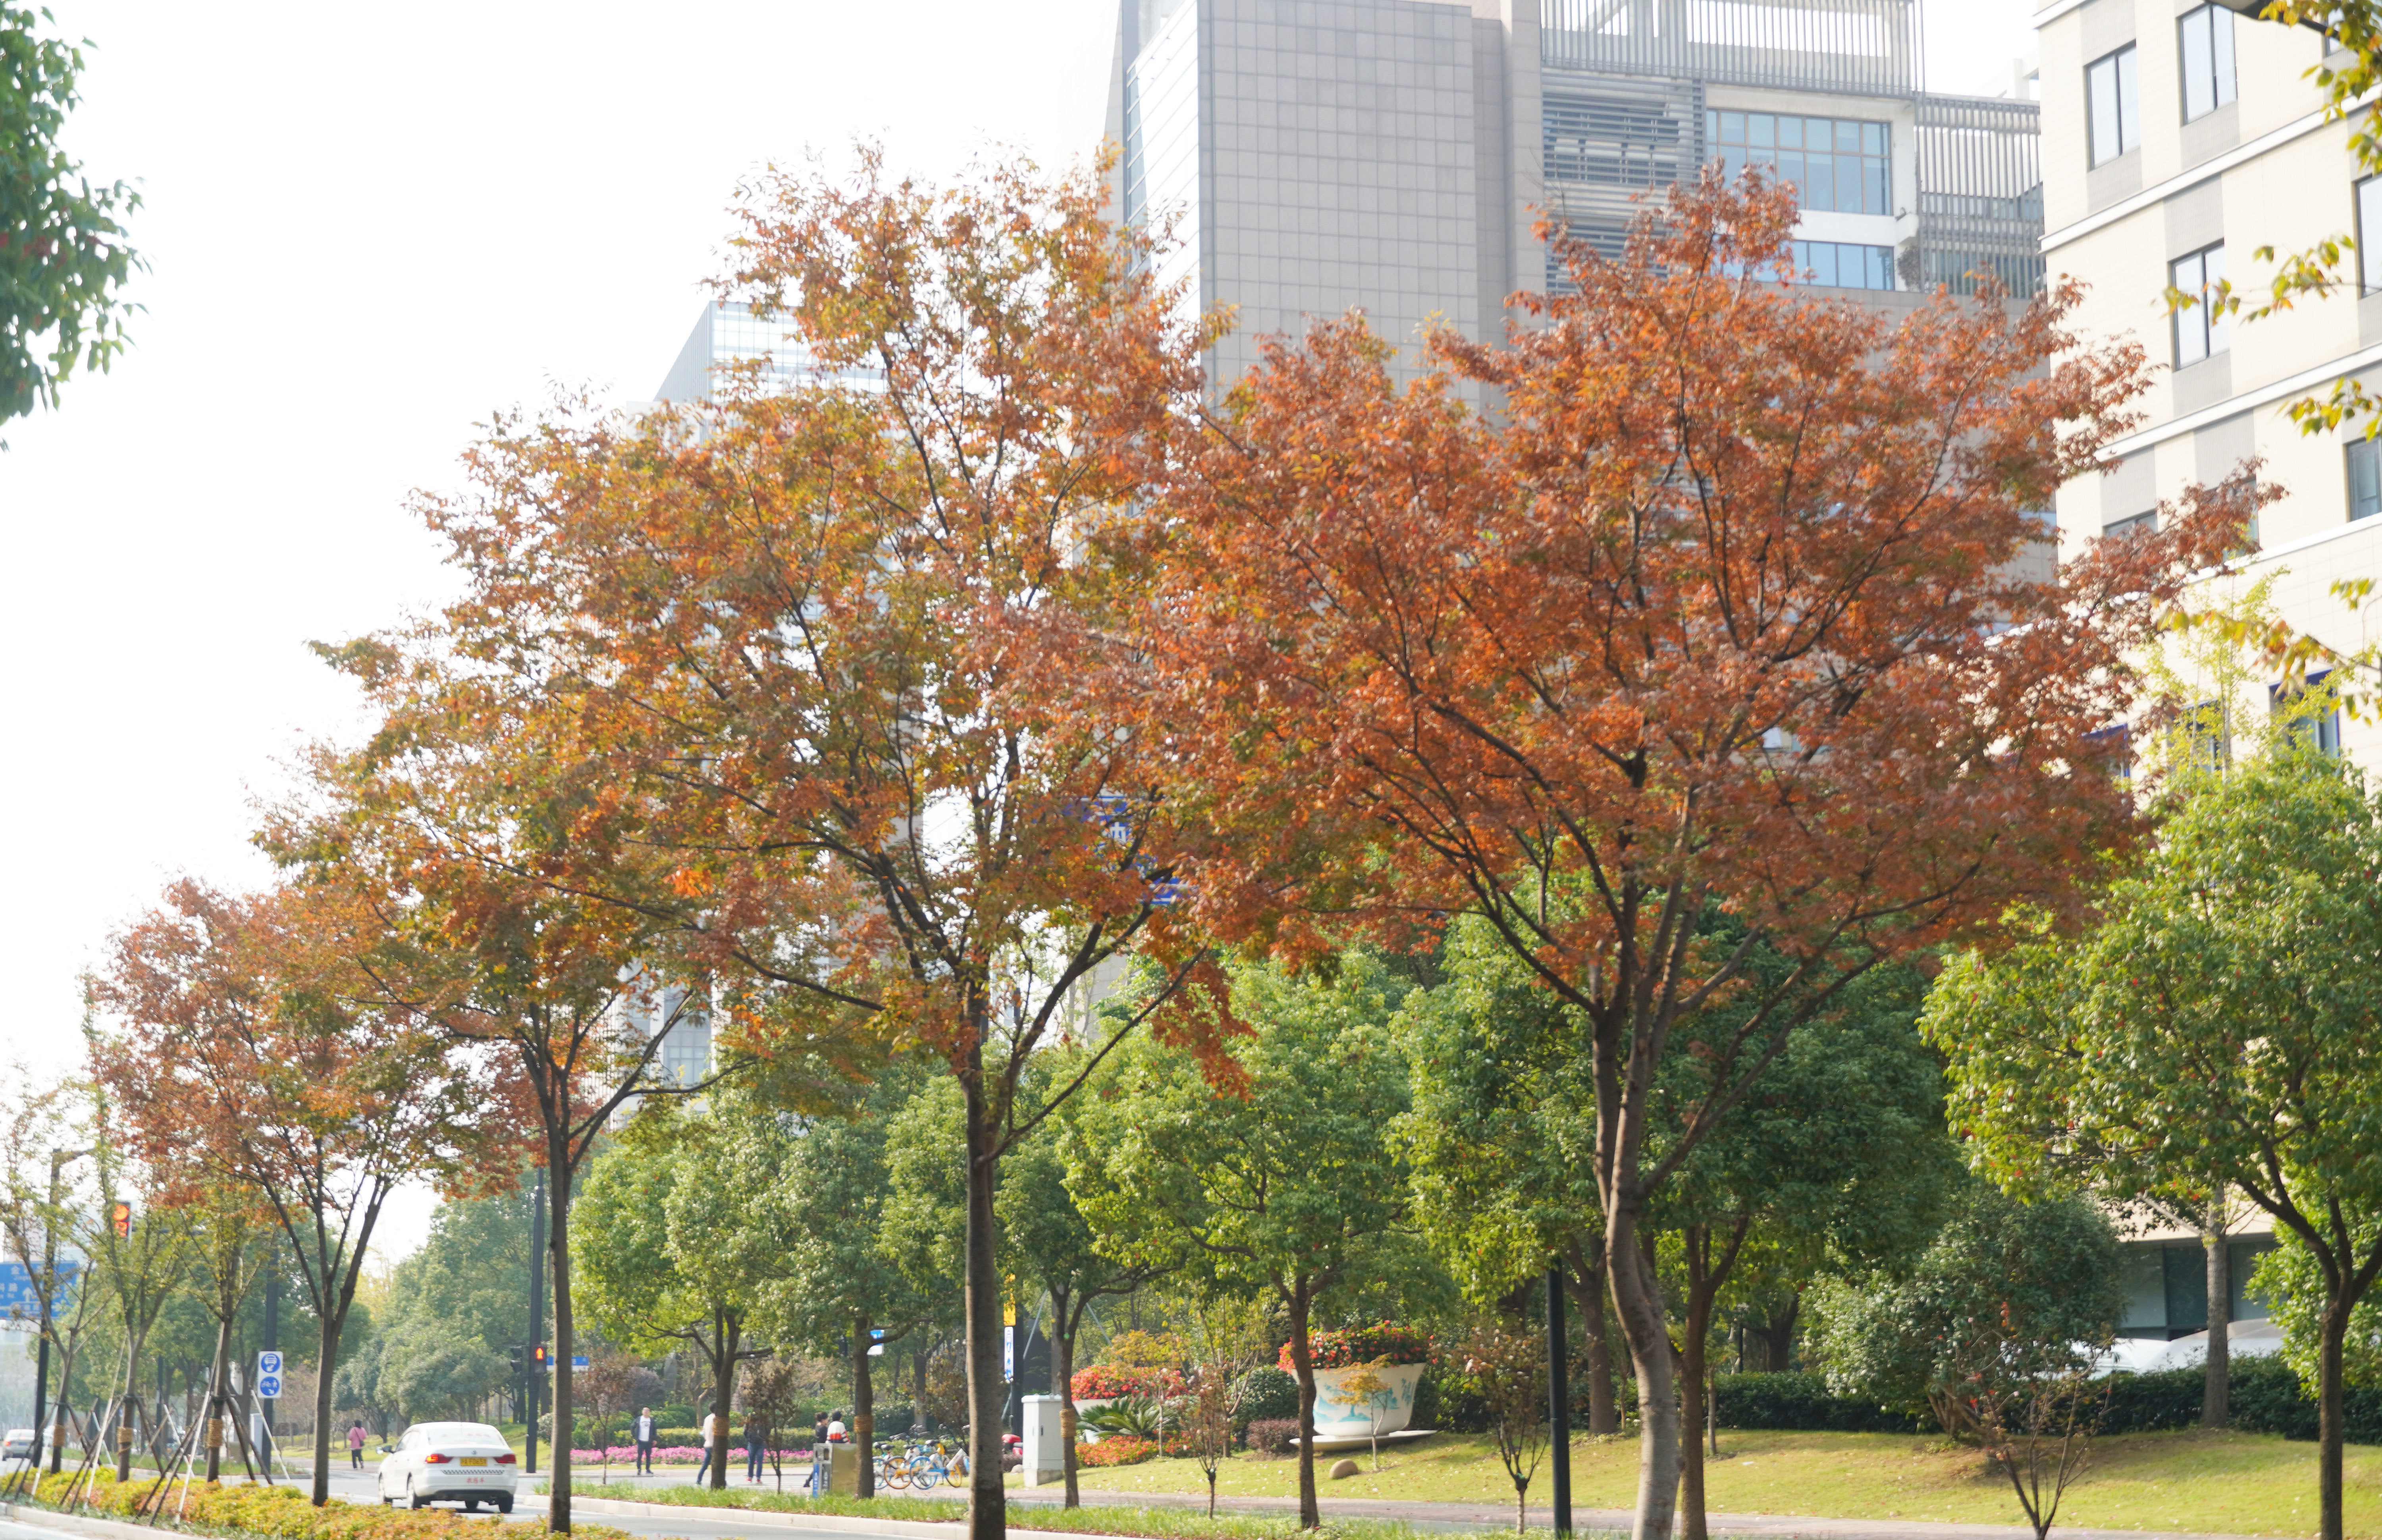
[{"x": 1558, "y": 1401}]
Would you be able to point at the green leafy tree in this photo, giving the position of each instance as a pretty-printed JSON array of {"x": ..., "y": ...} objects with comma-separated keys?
[
  {"x": 63, "y": 258},
  {"x": 843, "y": 1287},
  {"x": 2219, "y": 1021},
  {"x": 1502, "y": 1139},
  {"x": 427, "y": 1373},
  {"x": 2006, "y": 1291},
  {"x": 685, "y": 1235},
  {"x": 1294, "y": 1187},
  {"x": 472, "y": 1274}
]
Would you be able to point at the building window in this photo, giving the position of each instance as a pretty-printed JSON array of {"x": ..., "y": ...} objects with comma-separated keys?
[
  {"x": 2369, "y": 218},
  {"x": 1838, "y": 165},
  {"x": 2207, "y": 35},
  {"x": 2308, "y": 724},
  {"x": 2200, "y": 331},
  {"x": 2207, "y": 737},
  {"x": 2115, "y": 98},
  {"x": 2141, "y": 523},
  {"x": 2364, "y": 479},
  {"x": 1840, "y": 265}
]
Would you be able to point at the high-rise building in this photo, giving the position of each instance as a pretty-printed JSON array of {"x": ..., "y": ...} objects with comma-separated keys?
[
  {"x": 727, "y": 336},
  {"x": 1317, "y": 156}
]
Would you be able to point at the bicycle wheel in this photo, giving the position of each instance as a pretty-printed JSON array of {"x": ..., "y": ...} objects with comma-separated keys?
[{"x": 955, "y": 1472}]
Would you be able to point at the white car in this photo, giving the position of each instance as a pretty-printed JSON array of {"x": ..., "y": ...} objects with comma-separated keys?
[
  {"x": 465, "y": 1462},
  {"x": 17, "y": 1443}
]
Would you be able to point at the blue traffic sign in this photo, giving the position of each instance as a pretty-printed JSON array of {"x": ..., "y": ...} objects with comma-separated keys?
[
  {"x": 268, "y": 1387},
  {"x": 579, "y": 1361},
  {"x": 21, "y": 1300}
]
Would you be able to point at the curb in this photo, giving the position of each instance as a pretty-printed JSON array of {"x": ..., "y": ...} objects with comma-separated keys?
[{"x": 76, "y": 1523}]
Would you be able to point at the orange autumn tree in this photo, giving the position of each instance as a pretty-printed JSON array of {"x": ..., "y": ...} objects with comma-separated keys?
[
  {"x": 469, "y": 838},
  {"x": 808, "y": 654},
  {"x": 1716, "y": 642},
  {"x": 243, "y": 1049}
]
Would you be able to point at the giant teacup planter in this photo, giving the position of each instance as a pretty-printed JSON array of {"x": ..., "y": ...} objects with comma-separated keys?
[{"x": 1396, "y": 1356}]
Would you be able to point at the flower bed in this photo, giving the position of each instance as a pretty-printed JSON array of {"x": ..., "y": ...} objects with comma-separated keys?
[
  {"x": 1350, "y": 1346},
  {"x": 677, "y": 1454},
  {"x": 1120, "y": 1450},
  {"x": 1104, "y": 1382},
  {"x": 281, "y": 1512}
]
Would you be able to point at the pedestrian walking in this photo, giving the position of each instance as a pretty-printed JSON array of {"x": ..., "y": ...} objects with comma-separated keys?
[
  {"x": 356, "y": 1446},
  {"x": 642, "y": 1430},
  {"x": 754, "y": 1435},
  {"x": 819, "y": 1455},
  {"x": 711, "y": 1449}
]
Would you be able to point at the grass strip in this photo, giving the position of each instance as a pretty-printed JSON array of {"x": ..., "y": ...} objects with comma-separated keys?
[{"x": 1143, "y": 1524}]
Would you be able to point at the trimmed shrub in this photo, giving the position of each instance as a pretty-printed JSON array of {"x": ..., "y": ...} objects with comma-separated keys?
[
  {"x": 1116, "y": 1452},
  {"x": 1347, "y": 1347},
  {"x": 1267, "y": 1394},
  {"x": 676, "y": 1414},
  {"x": 1272, "y": 1436},
  {"x": 1803, "y": 1403},
  {"x": 281, "y": 1512}
]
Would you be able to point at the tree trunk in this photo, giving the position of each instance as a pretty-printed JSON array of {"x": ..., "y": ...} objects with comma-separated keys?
[
  {"x": 987, "y": 1502},
  {"x": 2216, "y": 1393},
  {"x": 1062, "y": 1369},
  {"x": 218, "y": 1372},
  {"x": 2332, "y": 1328},
  {"x": 557, "y": 1245},
  {"x": 1302, "y": 1364},
  {"x": 1586, "y": 1276},
  {"x": 863, "y": 1431},
  {"x": 723, "y": 1389},
  {"x": 1777, "y": 1336},
  {"x": 1638, "y": 1301}
]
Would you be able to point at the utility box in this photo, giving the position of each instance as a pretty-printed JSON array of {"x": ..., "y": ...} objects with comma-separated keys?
[
  {"x": 844, "y": 1470},
  {"x": 1046, "y": 1440}
]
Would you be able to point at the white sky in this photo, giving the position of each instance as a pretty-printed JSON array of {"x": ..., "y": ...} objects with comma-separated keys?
[{"x": 367, "y": 229}]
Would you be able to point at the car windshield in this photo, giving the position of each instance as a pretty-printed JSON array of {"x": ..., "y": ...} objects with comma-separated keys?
[{"x": 462, "y": 1433}]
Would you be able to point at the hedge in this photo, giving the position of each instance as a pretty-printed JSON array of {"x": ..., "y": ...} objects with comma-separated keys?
[
  {"x": 1103, "y": 1382},
  {"x": 281, "y": 1512},
  {"x": 1787, "y": 1403},
  {"x": 2262, "y": 1395}
]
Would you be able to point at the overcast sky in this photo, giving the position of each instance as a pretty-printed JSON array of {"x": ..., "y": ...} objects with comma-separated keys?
[{"x": 368, "y": 229}]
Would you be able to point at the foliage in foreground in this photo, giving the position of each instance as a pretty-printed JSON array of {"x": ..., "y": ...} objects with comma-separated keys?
[{"x": 281, "y": 1512}]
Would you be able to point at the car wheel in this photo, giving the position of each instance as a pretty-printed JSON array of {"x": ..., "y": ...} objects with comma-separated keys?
[
  {"x": 470, "y": 1505},
  {"x": 504, "y": 1504},
  {"x": 414, "y": 1498}
]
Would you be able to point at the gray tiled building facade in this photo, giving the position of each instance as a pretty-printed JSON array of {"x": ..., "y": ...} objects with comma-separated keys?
[{"x": 1316, "y": 155}]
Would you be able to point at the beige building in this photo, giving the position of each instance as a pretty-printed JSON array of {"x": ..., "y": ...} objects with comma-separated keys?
[{"x": 2177, "y": 139}]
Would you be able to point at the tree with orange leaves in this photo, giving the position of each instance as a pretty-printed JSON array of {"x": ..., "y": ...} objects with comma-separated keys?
[
  {"x": 816, "y": 645},
  {"x": 1718, "y": 637},
  {"x": 243, "y": 1049}
]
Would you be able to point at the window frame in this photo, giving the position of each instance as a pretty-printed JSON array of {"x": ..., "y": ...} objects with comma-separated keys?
[
  {"x": 2296, "y": 727},
  {"x": 2214, "y": 335},
  {"x": 2223, "y": 82},
  {"x": 2361, "y": 450},
  {"x": 2369, "y": 260},
  {"x": 2124, "y": 64}
]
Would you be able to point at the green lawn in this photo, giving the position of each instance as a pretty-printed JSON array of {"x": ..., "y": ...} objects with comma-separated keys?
[{"x": 2227, "y": 1483}]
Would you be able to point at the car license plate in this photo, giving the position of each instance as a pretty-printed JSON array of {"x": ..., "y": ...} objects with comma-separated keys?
[{"x": 476, "y": 1460}]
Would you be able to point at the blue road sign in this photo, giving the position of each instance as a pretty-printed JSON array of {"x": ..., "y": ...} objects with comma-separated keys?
[
  {"x": 579, "y": 1361},
  {"x": 21, "y": 1300},
  {"x": 268, "y": 1387}
]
